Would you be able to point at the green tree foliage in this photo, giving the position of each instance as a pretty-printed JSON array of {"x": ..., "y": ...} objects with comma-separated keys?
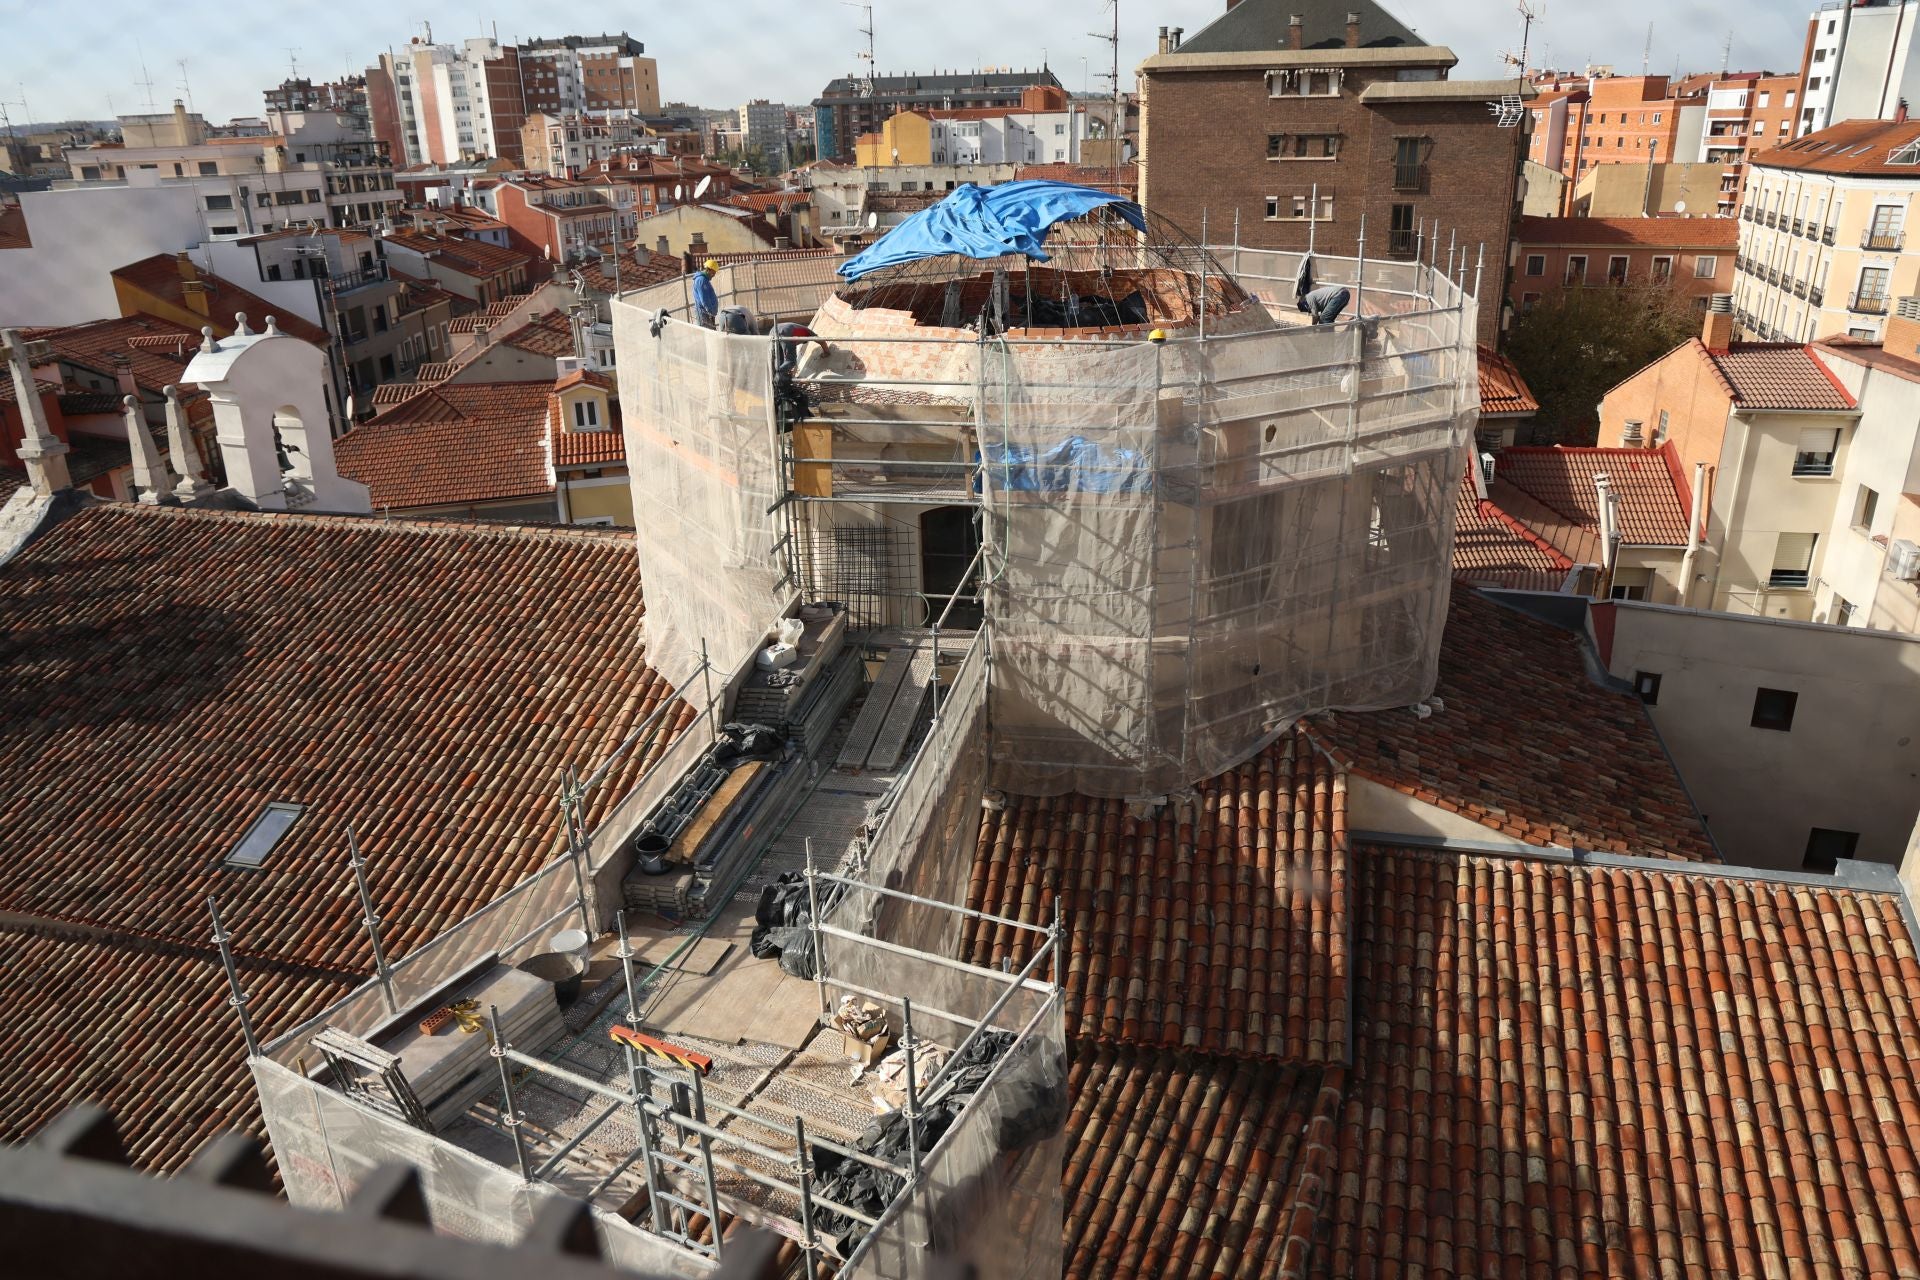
[{"x": 1574, "y": 345}]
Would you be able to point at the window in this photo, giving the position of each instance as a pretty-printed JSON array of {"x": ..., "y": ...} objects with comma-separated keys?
[
  {"x": 1303, "y": 146},
  {"x": 1792, "y": 560},
  {"x": 1577, "y": 269},
  {"x": 1705, "y": 267},
  {"x": 208, "y": 168},
  {"x": 1864, "y": 506},
  {"x": 1631, "y": 584},
  {"x": 1814, "y": 456},
  {"x": 1813, "y": 82},
  {"x": 1790, "y": 97},
  {"x": 586, "y": 414},
  {"x": 1400, "y": 232},
  {"x": 1536, "y": 264},
  {"x": 1409, "y": 167},
  {"x": 219, "y": 202},
  {"x": 1842, "y": 612},
  {"x": 1773, "y": 709},
  {"x": 266, "y": 832},
  {"x": 1825, "y": 848},
  {"x": 1528, "y": 301},
  {"x": 1617, "y": 269},
  {"x": 1765, "y": 96},
  {"x": 1647, "y": 685},
  {"x": 223, "y": 231},
  {"x": 1662, "y": 270},
  {"x": 1885, "y": 231},
  {"x": 1660, "y": 431}
]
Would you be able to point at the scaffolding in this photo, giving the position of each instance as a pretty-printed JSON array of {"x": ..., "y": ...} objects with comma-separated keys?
[{"x": 1191, "y": 543}]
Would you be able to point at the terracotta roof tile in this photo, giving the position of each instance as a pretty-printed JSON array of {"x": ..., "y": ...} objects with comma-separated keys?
[
  {"x": 453, "y": 444},
  {"x": 1228, "y": 1179},
  {"x": 1502, "y": 389},
  {"x": 159, "y": 275},
  {"x": 1662, "y": 233},
  {"x": 1528, "y": 744},
  {"x": 156, "y": 364},
  {"x": 1779, "y": 376},
  {"x": 475, "y": 258},
  {"x": 1493, "y": 548},
  {"x": 547, "y": 334},
  {"x": 1591, "y": 1071},
  {"x": 168, "y": 672},
  {"x": 636, "y": 271},
  {"x": 13, "y": 228},
  {"x": 1852, "y": 146},
  {"x": 1211, "y": 930},
  {"x": 1653, "y": 498}
]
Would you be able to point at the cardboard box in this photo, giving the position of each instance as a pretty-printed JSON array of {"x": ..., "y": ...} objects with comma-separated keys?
[{"x": 866, "y": 1052}]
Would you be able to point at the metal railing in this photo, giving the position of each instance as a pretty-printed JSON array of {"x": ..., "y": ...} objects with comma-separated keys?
[
  {"x": 1817, "y": 296},
  {"x": 1890, "y": 240},
  {"x": 1868, "y": 304},
  {"x": 1410, "y": 177},
  {"x": 1401, "y": 244},
  {"x": 1826, "y": 235},
  {"x": 348, "y": 281}
]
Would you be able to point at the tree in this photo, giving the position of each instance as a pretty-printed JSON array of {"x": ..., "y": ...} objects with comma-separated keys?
[{"x": 1575, "y": 345}]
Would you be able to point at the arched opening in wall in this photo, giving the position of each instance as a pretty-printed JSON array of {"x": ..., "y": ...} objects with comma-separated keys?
[
  {"x": 289, "y": 441},
  {"x": 949, "y": 541}
]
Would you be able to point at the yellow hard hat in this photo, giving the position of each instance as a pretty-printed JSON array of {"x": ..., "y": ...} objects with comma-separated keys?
[
  {"x": 1158, "y": 335},
  {"x": 711, "y": 264}
]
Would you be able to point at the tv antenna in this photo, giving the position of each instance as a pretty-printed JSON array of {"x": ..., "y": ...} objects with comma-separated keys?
[
  {"x": 866, "y": 56},
  {"x": 146, "y": 79},
  {"x": 1509, "y": 111},
  {"x": 186, "y": 85},
  {"x": 1726, "y": 54},
  {"x": 293, "y": 62},
  {"x": 1118, "y": 129}
]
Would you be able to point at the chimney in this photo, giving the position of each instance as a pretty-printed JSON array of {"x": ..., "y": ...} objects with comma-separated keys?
[
  {"x": 1179, "y": 34},
  {"x": 1353, "y": 31},
  {"x": 123, "y": 375},
  {"x": 1296, "y": 30},
  {"x": 782, "y": 242},
  {"x": 41, "y": 452},
  {"x": 1717, "y": 332},
  {"x": 1900, "y": 112},
  {"x": 1631, "y": 435},
  {"x": 660, "y": 245},
  {"x": 1164, "y": 46}
]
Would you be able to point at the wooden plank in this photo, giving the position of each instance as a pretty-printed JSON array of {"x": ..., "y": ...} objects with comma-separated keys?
[
  {"x": 894, "y": 731},
  {"x": 813, "y": 439},
  {"x": 686, "y": 846},
  {"x": 853, "y": 752}
]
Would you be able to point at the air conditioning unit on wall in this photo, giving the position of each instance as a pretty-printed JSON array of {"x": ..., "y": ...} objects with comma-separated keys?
[{"x": 1903, "y": 560}]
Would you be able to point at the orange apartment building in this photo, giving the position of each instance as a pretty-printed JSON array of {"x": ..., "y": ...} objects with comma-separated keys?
[
  {"x": 1694, "y": 255},
  {"x": 1747, "y": 113}
]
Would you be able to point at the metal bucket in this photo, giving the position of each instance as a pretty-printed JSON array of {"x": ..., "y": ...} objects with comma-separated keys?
[{"x": 563, "y": 969}]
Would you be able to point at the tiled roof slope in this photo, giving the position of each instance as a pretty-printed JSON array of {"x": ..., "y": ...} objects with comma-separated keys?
[
  {"x": 1502, "y": 389},
  {"x": 1588, "y": 1071},
  {"x": 92, "y": 999},
  {"x": 158, "y": 351},
  {"x": 159, "y": 275},
  {"x": 1528, "y": 744},
  {"x": 1262, "y": 25},
  {"x": 1851, "y": 146},
  {"x": 1653, "y": 497},
  {"x": 165, "y": 673},
  {"x": 1493, "y": 548},
  {"x": 453, "y": 444},
  {"x": 1764, "y": 375},
  {"x": 1229, "y": 1180},
  {"x": 636, "y": 271},
  {"x": 1664, "y": 233},
  {"x": 547, "y": 334},
  {"x": 1215, "y": 931}
]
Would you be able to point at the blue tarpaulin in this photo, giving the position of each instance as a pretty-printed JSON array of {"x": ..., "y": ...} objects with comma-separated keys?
[
  {"x": 1076, "y": 463},
  {"x": 986, "y": 222}
]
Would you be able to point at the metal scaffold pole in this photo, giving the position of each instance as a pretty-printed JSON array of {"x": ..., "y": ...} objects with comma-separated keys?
[
  {"x": 813, "y": 924},
  {"x": 913, "y": 1091},
  {"x": 637, "y": 1080},
  {"x": 577, "y": 851},
  {"x": 237, "y": 997},
  {"x": 371, "y": 919},
  {"x": 803, "y": 1170},
  {"x": 706, "y": 1160},
  {"x": 512, "y": 1119}
]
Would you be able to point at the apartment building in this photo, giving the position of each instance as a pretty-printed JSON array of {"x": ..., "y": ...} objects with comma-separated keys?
[
  {"x": 601, "y": 75},
  {"x": 763, "y": 126},
  {"x": 1046, "y": 128},
  {"x": 854, "y": 105},
  {"x": 444, "y": 103},
  {"x": 1823, "y": 246},
  {"x": 1746, "y": 114},
  {"x": 1772, "y": 432},
  {"x": 345, "y": 96},
  {"x": 565, "y": 221},
  {"x": 1339, "y": 112},
  {"x": 1861, "y": 63},
  {"x": 1692, "y": 255},
  {"x": 565, "y": 146},
  {"x": 312, "y": 167}
]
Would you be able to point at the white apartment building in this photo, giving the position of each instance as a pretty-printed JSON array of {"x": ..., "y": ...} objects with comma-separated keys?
[
  {"x": 1862, "y": 62},
  {"x": 451, "y": 101},
  {"x": 1823, "y": 245},
  {"x": 1015, "y": 137}
]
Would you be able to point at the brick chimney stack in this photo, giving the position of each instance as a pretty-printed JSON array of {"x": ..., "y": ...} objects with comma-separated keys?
[
  {"x": 1353, "y": 31},
  {"x": 1717, "y": 332},
  {"x": 1296, "y": 31}
]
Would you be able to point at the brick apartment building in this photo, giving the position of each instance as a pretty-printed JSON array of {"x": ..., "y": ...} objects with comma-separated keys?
[
  {"x": 1335, "y": 101},
  {"x": 1693, "y": 255},
  {"x": 847, "y": 108}
]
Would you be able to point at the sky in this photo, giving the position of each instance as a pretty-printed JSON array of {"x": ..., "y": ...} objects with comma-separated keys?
[{"x": 66, "y": 60}]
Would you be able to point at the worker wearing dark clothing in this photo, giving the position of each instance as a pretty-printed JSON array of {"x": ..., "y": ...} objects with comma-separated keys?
[
  {"x": 706, "y": 304},
  {"x": 1326, "y": 303},
  {"x": 788, "y": 341}
]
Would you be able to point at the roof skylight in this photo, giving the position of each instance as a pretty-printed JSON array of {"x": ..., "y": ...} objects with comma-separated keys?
[{"x": 265, "y": 834}]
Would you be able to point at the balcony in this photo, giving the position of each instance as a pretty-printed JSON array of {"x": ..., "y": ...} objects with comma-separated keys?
[
  {"x": 1799, "y": 289},
  {"x": 1817, "y": 296},
  {"x": 1884, "y": 240},
  {"x": 1868, "y": 304},
  {"x": 1790, "y": 578},
  {"x": 351, "y": 280},
  {"x": 1826, "y": 235},
  {"x": 1400, "y": 243},
  {"x": 1798, "y": 226},
  {"x": 1409, "y": 177},
  {"x": 1773, "y": 221}
]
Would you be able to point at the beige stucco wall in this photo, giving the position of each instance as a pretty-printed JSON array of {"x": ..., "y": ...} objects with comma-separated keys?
[
  {"x": 607, "y": 496},
  {"x": 1757, "y": 498},
  {"x": 1851, "y": 761}
]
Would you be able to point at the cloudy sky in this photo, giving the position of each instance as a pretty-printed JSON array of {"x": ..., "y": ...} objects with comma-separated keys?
[{"x": 84, "y": 60}]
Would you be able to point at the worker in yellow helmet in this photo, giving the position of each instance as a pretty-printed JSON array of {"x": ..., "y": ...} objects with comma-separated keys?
[
  {"x": 1158, "y": 335},
  {"x": 706, "y": 303}
]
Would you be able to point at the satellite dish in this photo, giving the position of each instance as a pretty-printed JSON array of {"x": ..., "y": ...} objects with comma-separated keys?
[
  {"x": 873, "y": 220},
  {"x": 1679, "y": 206},
  {"x": 701, "y": 189},
  {"x": 679, "y": 193}
]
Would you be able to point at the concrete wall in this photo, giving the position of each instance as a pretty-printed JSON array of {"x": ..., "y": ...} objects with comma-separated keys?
[
  {"x": 1376, "y": 808},
  {"x": 1757, "y": 498},
  {"x": 79, "y": 237},
  {"x": 1851, "y": 761}
]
